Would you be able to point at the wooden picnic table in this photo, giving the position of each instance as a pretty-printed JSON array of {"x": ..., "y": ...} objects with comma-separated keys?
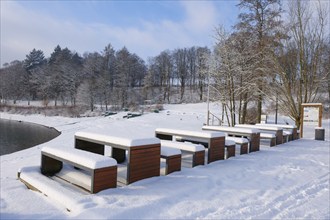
[{"x": 143, "y": 155}]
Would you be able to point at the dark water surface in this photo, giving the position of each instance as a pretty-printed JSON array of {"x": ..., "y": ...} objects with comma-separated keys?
[{"x": 16, "y": 135}]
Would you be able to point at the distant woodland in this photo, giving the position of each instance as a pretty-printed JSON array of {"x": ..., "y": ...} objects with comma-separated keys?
[{"x": 264, "y": 57}]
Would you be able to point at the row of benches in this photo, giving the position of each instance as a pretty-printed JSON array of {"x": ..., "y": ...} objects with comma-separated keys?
[{"x": 142, "y": 156}]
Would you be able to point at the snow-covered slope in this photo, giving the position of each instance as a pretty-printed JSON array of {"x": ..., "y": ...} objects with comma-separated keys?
[{"x": 289, "y": 181}]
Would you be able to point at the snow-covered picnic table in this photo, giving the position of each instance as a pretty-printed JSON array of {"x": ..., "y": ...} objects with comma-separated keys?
[
  {"x": 143, "y": 154},
  {"x": 265, "y": 130},
  {"x": 215, "y": 140},
  {"x": 253, "y": 135},
  {"x": 291, "y": 128}
]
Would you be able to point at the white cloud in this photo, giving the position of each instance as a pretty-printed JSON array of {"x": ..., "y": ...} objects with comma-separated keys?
[
  {"x": 23, "y": 29},
  {"x": 201, "y": 15}
]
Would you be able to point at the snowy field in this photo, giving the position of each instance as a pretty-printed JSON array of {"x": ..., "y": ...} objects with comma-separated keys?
[{"x": 289, "y": 181}]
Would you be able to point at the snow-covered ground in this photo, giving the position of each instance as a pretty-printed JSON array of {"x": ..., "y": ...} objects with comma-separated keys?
[{"x": 288, "y": 181}]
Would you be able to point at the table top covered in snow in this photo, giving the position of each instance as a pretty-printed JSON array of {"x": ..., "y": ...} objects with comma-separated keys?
[
  {"x": 114, "y": 140},
  {"x": 259, "y": 127},
  {"x": 189, "y": 133},
  {"x": 233, "y": 130}
]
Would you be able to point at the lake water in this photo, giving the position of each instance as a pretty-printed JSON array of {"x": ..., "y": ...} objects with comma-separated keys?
[{"x": 16, "y": 136}]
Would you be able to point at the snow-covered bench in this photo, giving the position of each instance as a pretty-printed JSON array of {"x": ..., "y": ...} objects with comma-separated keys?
[
  {"x": 102, "y": 170},
  {"x": 229, "y": 145},
  {"x": 253, "y": 135},
  {"x": 172, "y": 159},
  {"x": 215, "y": 140},
  {"x": 243, "y": 143},
  {"x": 287, "y": 136},
  {"x": 270, "y": 137},
  {"x": 266, "y": 129},
  {"x": 143, "y": 154},
  {"x": 196, "y": 150}
]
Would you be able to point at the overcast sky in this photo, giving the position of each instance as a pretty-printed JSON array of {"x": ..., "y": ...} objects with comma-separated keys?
[{"x": 144, "y": 27}]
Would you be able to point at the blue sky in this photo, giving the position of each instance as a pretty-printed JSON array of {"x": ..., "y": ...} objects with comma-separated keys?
[{"x": 144, "y": 27}]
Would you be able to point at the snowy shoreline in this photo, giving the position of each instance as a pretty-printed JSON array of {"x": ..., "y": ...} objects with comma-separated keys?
[{"x": 287, "y": 181}]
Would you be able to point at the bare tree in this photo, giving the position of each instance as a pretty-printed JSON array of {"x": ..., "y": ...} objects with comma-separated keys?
[
  {"x": 12, "y": 81},
  {"x": 261, "y": 20},
  {"x": 301, "y": 71},
  {"x": 181, "y": 69},
  {"x": 202, "y": 57}
]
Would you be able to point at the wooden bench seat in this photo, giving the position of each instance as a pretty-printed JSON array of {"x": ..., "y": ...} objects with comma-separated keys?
[
  {"x": 172, "y": 158},
  {"x": 143, "y": 154},
  {"x": 102, "y": 170},
  {"x": 196, "y": 150},
  {"x": 243, "y": 143}
]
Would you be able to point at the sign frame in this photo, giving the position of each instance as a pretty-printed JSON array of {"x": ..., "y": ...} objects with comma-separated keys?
[{"x": 307, "y": 105}]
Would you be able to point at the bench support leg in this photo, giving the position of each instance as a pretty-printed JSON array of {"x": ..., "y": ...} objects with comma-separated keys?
[
  {"x": 230, "y": 151},
  {"x": 104, "y": 178},
  {"x": 50, "y": 166},
  {"x": 244, "y": 148},
  {"x": 173, "y": 163},
  {"x": 272, "y": 142},
  {"x": 198, "y": 158}
]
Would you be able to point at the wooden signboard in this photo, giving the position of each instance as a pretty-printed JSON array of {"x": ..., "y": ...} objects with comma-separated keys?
[{"x": 311, "y": 115}]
